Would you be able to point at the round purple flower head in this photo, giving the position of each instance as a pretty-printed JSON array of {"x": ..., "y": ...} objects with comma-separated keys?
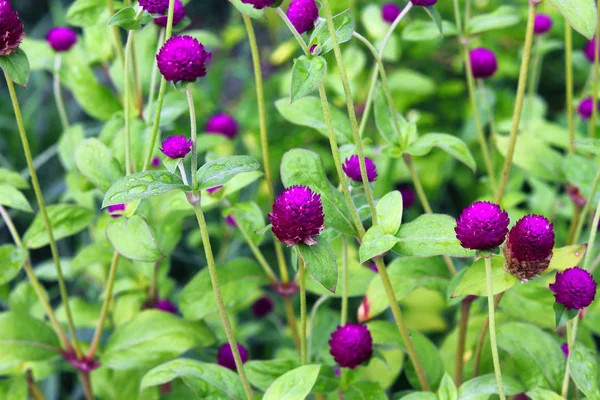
[
  {"x": 482, "y": 226},
  {"x": 424, "y": 3},
  {"x": 565, "y": 349},
  {"x": 182, "y": 58},
  {"x": 543, "y": 23},
  {"x": 586, "y": 108},
  {"x": 351, "y": 345},
  {"x": 155, "y": 162},
  {"x": 529, "y": 245},
  {"x": 574, "y": 288},
  {"x": 116, "y": 210},
  {"x": 297, "y": 216},
  {"x": 176, "y": 146},
  {"x": 11, "y": 29},
  {"x": 408, "y": 195},
  {"x": 222, "y": 124},
  {"x": 166, "y": 306},
  {"x": 303, "y": 14},
  {"x": 61, "y": 38},
  {"x": 483, "y": 62},
  {"x": 390, "y": 11},
  {"x": 351, "y": 167},
  {"x": 225, "y": 356},
  {"x": 178, "y": 15},
  {"x": 155, "y": 6},
  {"x": 590, "y": 50},
  {"x": 259, "y": 4},
  {"x": 263, "y": 307}
]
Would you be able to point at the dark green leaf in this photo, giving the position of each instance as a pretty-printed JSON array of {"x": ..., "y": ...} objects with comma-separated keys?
[
  {"x": 96, "y": 162},
  {"x": 12, "y": 197},
  {"x": 141, "y": 186},
  {"x": 221, "y": 171},
  {"x": 473, "y": 282},
  {"x": 483, "y": 385},
  {"x": 293, "y": 385},
  {"x": 85, "y": 12},
  {"x": 126, "y": 18},
  {"x": 585, "y": 371},
  {"x": 376, "y": 243},
  {"x": 450, "y": 144},
  {"x": 581, "y": 15},
  {"x": 306, "y": 76},
  {"x": 133, "y": 239},
  {"x": 320, "y": 262},
  {"x": 16, "y": 67},
  {"x": 65, "y": 219},
  {"x": 13, "y": 179},
  {"x": 344, "y": 27},
  {"x": 562, "y": 315},
  {"x": 436, "y": 17},
  {"x": 502, "y": 17},
  {"x": 11, "y": 260}
]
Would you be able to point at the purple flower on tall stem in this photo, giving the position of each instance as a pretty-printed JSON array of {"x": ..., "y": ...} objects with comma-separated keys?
[
  {"x": 176, "y": 146},
  {"x": 423, "y": 3},
  {"x": 303, "y": 14},
  {"x": 61, "y": 38},
  {"x": 543, "y": 24},
  {"x": 590, "y": 50},
  {"x": 116, "y": 210},
  {"x": 529, "y": 245},
  {"x": 483, "y": 62},
  {"x": 263, "y": 307},
  {"x": 259, "y": 4},
  {"x": 351, "y": 345},
  {"x": 222, "y": 124},
  {"x": 297, "y": 216},
  {"x": 155, "y": 6},
  {"x": 178, "y": 15},
  {"x": 586, "y": 108},
  {"x": 482, "y": 226},
  {"x": 574, "y": 288},
  {"x": 225, "y": 356},
  {"x": 390, "y": 11},
  {"x": 182, "y": 58},
  {"x": 166, "y": 306},
  {"x": 351, "y": 168},
  {"x": 11, "y": 29}
]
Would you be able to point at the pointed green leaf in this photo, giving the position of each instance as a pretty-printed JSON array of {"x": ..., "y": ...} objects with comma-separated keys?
[
  {"x": 450, "y": 144},
  {"x": 320, "y": 262},
  {"x": 344, "y": 27},
  {"x": 133, "y": 239},
  {"x": 294, "y": 385},
  {"x": 96, "y": 162},
  {"x": 581, "y": 14},
  {"x": 65, "y": 219},
  {"x": 376, "y": 243},
  {"x": 436, "y": 17},
  {"x": 13, "y": 198},
  {"x": 307, "y": 73},
  {"x": 221, "y": 171},
  {"x": 16, "y": 67},
  {"x": 502, "y": 17},
  {"x": 13, "y": 179},
  {"x": 11, "y": 260},
  {"x": 389, "y": 211},
  {"x": 473, "y": 282},
  {"x": 141, "y": 186},
  {"x": 585, "y": 370},
  {"x": 483, "y": 385}
]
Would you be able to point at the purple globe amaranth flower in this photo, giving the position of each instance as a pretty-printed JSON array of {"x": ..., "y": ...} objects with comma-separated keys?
[
  {"x": 528, "y": 248},
  {"x": 408, "y": 195},
  {"x": 222, "y": 124},
  {"x": 176, "y": 146},
  {"x": 351, "y": 345},
  {"x": 565, "y": 349},
  {"x": 155, "y": 6},
  {"x": 590, "y": 50},
  {"x": 586, "y": 108},
  {"x": 116, "y": 210},
  {"x": 574, "y": 288},
  {"x": 424, "y": 3},
  {"x": 178, "y": 15},
  {"x": 483, "y": 62},
  {"x": 351, "y": 167},
  {"x": 303, "y": 14},
  {"x": 263, "y": 307},
  {"x": 61, "y": 38},
  {"x": 297, "y": 216},
  {"x": 543, "y": 23},
  {"x": 225, "y": 356},
  {"x": 166, "y": 306},
  {"x": 259, "y": 4},
  {"x": 482, "y": 226},
  {"x": 390, "y": 11},
  {"x": 229, "y": 220},
  {"x": 11, "y": 29},
  {"x": 182, "y": 58}
]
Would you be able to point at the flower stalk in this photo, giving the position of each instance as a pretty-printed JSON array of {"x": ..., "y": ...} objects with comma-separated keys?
[
  {"x": 596, "y": 72},
  {"x": 569, "y": 85},
  {"x": 302, "y": 280},
  {"x": 492, "y": 319}
]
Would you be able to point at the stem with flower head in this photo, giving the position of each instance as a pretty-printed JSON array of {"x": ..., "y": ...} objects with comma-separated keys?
[
  {"x": 569, "y": 85},
  {"x": 60, "y": 104},
  {"x": 465, "y": 306},
  {"x": 492, "y": 319},
  {"x": 154, "y": 77},
  {"x": 596, "y": 68}
]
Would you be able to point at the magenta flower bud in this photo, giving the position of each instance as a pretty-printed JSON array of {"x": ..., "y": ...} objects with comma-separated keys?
[
  {"x": 574, "y": 288},
  {"x": 528, "y": 248},
  {"x": 116, "y": 210},
  {"x": 351, "y": 167},
  {"x": 225, "y": 356},
  {"x": 590, "y": 50},
  {"x": 155, "y": 6},
  {"x": 424, "y": 3},
  {"x": 482, "y": 226},
  {"x": 297, "y": 216},
  {"x": 214, "y": 189},
  {"x": 303, "y": 14},
  {"x": 351, "y": 345},
  {"x": 259, "y": 4},
  {"x": 166, "y": 306},
  {"x": 483, "y": 62},
  {"x": 263, "y": 307},
  {"x": 586, "y": 108},
  {"x": 182, "y": 58},
  {"x": 11, "y": 29},
  {"x": 565, "y": 349},
  {"x": 178, "y": 15},
  {"x": 222, "y": 124},
  {"x": 176, "y": 146},
  {"x": 229, "y": 220},
  {"x": 543, "y": 24},
  {"x": 155, "y": 162},
  {"x": 408, "y": 195},
  {"x": 61, "y": 38},
  {"x": 390, "y": 11}
]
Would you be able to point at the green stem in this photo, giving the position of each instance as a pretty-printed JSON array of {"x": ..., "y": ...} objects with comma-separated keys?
[
  {"x": 571, "y": 339},
  {"x": 569, "y": 85},
  {"x": 115, "y": 31},
  {"x": 40, "y": 199},
  {"x": 112, "y": 273},
  {"x": 214, "y": 278},
  {"x": 137, "y": 79},
  {"x": 87, "y": 385},
  {"x": 586, "y": 208},
  {"x": 193, "y": 128},
  {"x": 487, "y": 107},
  {"x": 492, "y": 318},
  {"x": 594, "y": 119},
  {"x": 258, "y": 255},
  {"x": 417, "y": 182},
  {"x": 60, "y": 105},
  {"x": 291, "y": 319},
  {"x": 344, "y": 281},
  {"x": 535, "y": 67},
  {"x": 465, "y": 306},
  {"x": 127, "y": 101},
  {"x": 311, "y": 323},
  {"x": 592, "y": 240},
  {"x": 34, "y": 390},
  {"x": 518, "y": 104},
  {"x": 161, "y": 39},
  {"x": 482, "y": 335},
  {"x": 457, "y": 18},
  {"x": 302, "y": 281}
]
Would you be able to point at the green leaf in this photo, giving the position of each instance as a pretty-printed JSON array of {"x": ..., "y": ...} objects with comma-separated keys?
[
  {"x": 153, "y": 337},
  {"x": 534, "y": 156},
  {"x": 581, "y": 15},
  {"x": 308, "y": 112},
  {"x": 580, "y": 172},
  {"x": 344, "y": 27},
  {"x": 389, "y": 211},
  {"x": 483, "y": 385},
  {"x": 473, "y": 282},
  {"x": 500, "y": 18},
  {"x": 430, "y": 235},
  {"x": 13, "y": 179},
  {"x": 562, "y": 315},
  {"x": 262, "y": 373},
  {"x": 65, "y": 219},
  {"x": 249, "y": 217},
  {"x": 307, "y": 73},
  {"x": 384, "y": 120},
  {"x": 11, "y": 260},
  {"x": 221, "y": 171},
  {"x": 85, "y": 12},
  {"x": 96, "y": 162},
  {"x": 126, "y": 19},
  {"x": 240, "y": 280},
  {"x": 566, "y": 257},
  {"x": 365, "y": 390},
  {"x": 531, "y": 302},
  {"x": 12, "y": 197},
  {"x": 133, "y": 239},
  {"x": 420, "y": 30},
  {"x": 376, "y": 243},
  {"x": 24, "y": 338},
  {"x": 141, "y": 186},
  {"x": 248, "y": 9},
  {"x": 208, "y": 39},
  {"x": 320, "y": 262},
  {"x": 172, "y": 163},
  {"x": 206, "y": 381},
  {"x": 14, "y": 388},
  {"x": 588, "y": 145},
  {"x": 67, "y": 144},
  {"x": 430, "y": 359},
  {"x": 16, "y": 67},
  {"x": 450, "y": 144},
  {"x": 543, "y": 394},
  {"x": 293, "y": 385},
  {"x": 585, "y": 371},
  {"x": 436, "y": 18},
  {"x": 447, "y": 389}
]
